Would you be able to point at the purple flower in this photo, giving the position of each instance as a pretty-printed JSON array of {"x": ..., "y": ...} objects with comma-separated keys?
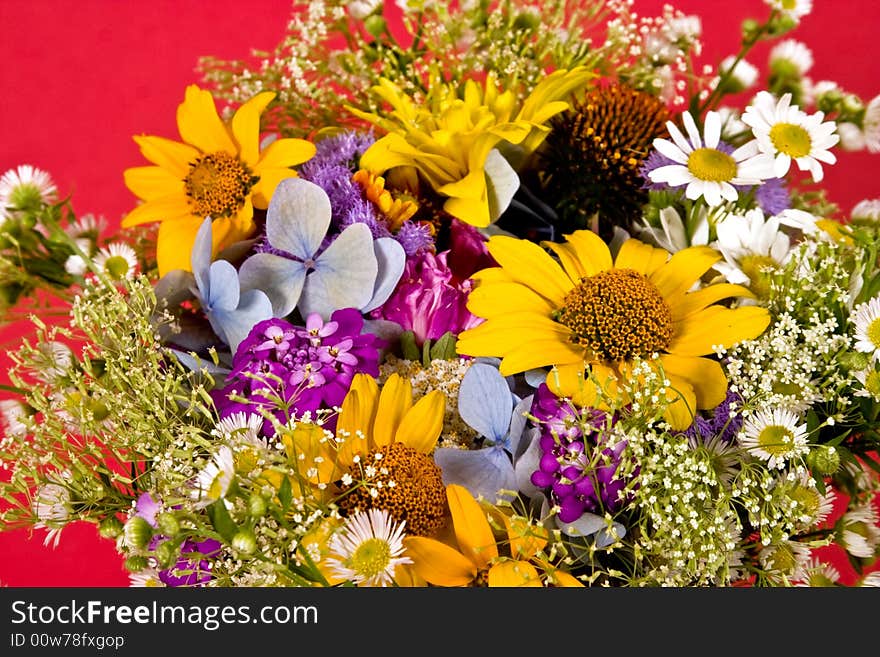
[
  {"x": 194, "y": 569},
  {"x": 467, "y": 250},
  {"x": 309, "y": 367},
  {"x": 577, "y": 469},
  {"x": 773, "y": 196},
  {"x": 428, "y": 301},
  {"x": 147, "y": 508},
  {"x": 720, "y": 423}
]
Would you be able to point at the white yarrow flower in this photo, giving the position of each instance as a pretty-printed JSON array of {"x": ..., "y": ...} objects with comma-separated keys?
[
  {"x": 774, "y": 435},
  {"x": 866, "y": 320},
  {"x": 706, "y": 170},
  {"x": 368, "y": 548},
  {"x": 785, "y": 133}
]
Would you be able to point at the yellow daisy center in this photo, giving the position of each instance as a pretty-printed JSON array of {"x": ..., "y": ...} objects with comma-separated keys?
[
  {"x": 616, "y": 315},
  {"x": 788, "y": 5},
  {"x": 218, "y": 185},
  {"x": 370, "y": 558},
  {"x": 116, "y": 266},
  {"x": 808, "y": 499},
  {"x": 872, "y": 331},
  {"x": 791, "y": 139},
  {"x": 712, "y": 165},
  {"x": 776, "y": 440},
  {"x": 403, "y": 481},
  {"x": 872, "y": 383}
]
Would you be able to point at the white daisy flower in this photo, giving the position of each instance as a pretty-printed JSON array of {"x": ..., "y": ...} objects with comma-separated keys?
[
  {"x": 87, "y": 226},
  {"x": 118, "y": 260},
  {"x": 815, "y": 505},
  {"x": 149, "y": 578},
  {"x": 672, "y": 235},
  {"x": 708, "y": 171},
  {"x": 751, "y": 245},
  {"x": 867, "y": 210},
  {"x": 791, "y": 57},
  {"x": 866, "y": 137},
  {"x": 213, "y": 482},
  {"x": 785, "y": 560},
  {"x": 75, "y": 265},
  {"x": 775, "y": 436},
  {"x": 51, "y": 506},
  {"x": 742, "y": 73},
  {"x": 860, "y": 531},
  {"x": 799, "y": 220},
  {"x": 866, "y": 318},
  {"x": 870, "y": 381},
  {"x": 818, "y": 574},
  {"x": 871, "y": 579},
  {"x": 731, "y": 122},
  {"x": 25, "y": 187},
  {"x": 786, "y": 133},
  {"x": 368, "y": 548},
  {"x": 12, "y": 416},
  {"x": 796, "y": 9},
  {"x": 241, "y": 428},
  {"x": 360, "y": 9}
]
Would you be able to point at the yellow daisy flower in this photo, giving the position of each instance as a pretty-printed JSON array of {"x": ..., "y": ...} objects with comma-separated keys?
[
  {"x": 587, "y": 310},
  {"x": 217, "y": 171},
  {"x": 477, "y": 560},
  {"x": 381, "y": 437},
  {"x": 449, "y": 138}
]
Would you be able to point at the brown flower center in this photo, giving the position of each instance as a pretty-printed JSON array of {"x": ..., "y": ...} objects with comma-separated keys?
[
  {"x": 617, "y": 315},
  {"x": 218, "y": 185}
]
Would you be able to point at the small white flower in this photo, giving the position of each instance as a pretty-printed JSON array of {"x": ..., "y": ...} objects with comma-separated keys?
[
  {"x": 786, "y": 560},
  {"x": 791, "y": 55},
  {"x": 368, "y": 548},
  {"x": 750, "y": 244},
  {"x": 775, "y": 436},
  {"x": 672, "y": 235},
  {"x": 241, "y": 428},
  {"x": 360, "y": 9},
  {"x": 118, "y": 260},
  {"x": 866, "y": 137},
  {"x": 706, "y": 170},
  {"x": 25, "y": 187},
  {"x": 871, "y": 579},
  {"x": 149, "y": 577},
  {"x": 799, "y": 220},
  {"x": 51, "y": 506},
  {"x": 213, "y": 482},
  {"x": 731, "y": 122},
  {"x": 743, "y": 73},
  {"x": 786, "y": 133},
  {"x": 818, "y": 573},
  {"x": 88, "y": 227},
  {"x": 75, "y": 266},
  {"x": 796, "y": 9},
  {"x": 866, "y": 210},
  {"x": 684, "y": 28},
  {"x": 866, "y": 319},
  {"x": 860, "y": 531},
  {"x": 12, "y": 416}
]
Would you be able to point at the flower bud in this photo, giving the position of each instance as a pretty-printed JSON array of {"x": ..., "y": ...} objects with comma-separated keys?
[
  {"x": 257, "y": 506},
  {"x": 137, "y": 532},
  {"x": 853, "y": 360},
  {"x": 111, "y": 527},
  {"x": 375, "y": 25},
  {"x": 824, "y": 460},
  {"x": 852, "y": 104},
  {"x": 168, "y": 524},
  {"x": 244, "y": 541},
  {"x": 167, "y": 553},
  {"x": 135, "y": 564}
]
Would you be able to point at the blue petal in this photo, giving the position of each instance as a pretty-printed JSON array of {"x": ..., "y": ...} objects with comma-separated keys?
[
  {"x": 344, "y": 274},
  {"x": 527, "y": 462},
  {"x": 535, "y": 377},
  {"x": 234, "y": 325},
  {"x": 484, "y": 472},
  {"x": 298, "y": 217},
  {"x": 391, "y": 259},
  {"x": 485, "y": 401},
  {"x": 518, "y": 424},
  {"x": 223, "y": 287},
  {"x": 280, "y": 278},
  {"x": 200, "y": 257},
  {"x": 587, "y": 525}
]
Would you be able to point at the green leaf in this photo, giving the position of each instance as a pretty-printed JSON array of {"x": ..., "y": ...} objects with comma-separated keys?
[
  {"x": 408, "y": 345},
  {"x": 285, "y": 494},
  {"x": 426, "y": 353},
  {"x": 222, "y": 521},
  {"x": 444, "y": 348}
]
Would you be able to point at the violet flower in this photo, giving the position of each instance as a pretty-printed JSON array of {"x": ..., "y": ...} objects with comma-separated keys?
[
  {"x": 309, "y": 367},
  {"x": 427, "y": 300}
]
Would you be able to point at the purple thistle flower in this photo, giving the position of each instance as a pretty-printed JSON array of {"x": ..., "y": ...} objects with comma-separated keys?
[
  {"x": 773, "y": 196},
  {"x": 577, "y": 478},
  {"x": 428, "y": 301},
  {"x": 309, "y": 367},
  {"x": 344, "y": 149},
  {"x": 414, "y": 238}
]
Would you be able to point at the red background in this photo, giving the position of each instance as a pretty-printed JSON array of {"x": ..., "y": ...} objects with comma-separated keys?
[{"x": 80, "y": 77}]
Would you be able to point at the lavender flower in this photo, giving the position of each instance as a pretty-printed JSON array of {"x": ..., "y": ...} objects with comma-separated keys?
[
  {"x": 720, "y": 422},
  {"x": 309, "y": 367}
]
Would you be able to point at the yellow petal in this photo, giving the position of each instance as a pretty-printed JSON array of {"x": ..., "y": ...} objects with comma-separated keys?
[
  {"x": 511, "y": 573},
  {"x": 501, "y": 298},
  {"x": 682, "y": 406},
  {"x": 200, "y": 125},
  {"x": 353, "y": 427},
  {"x": 151, "y": 183},
  {"x": 471, "y": 526},
  {"x": 360, "y": 413},
  {"x": 421, "y": 426},
  {"x": 540, "y": 353},
  {"x": 684, "y": 268},
  {"x": 439, "y": 564},
  {"x": 641, "y": 257},
  {"x": 473, "y": 211},
  {"x": 684, "y": 305},
  {"x": 167, "y": 208},
  {"x": 394, "y": 402},
  {"x": 501, "y": 334},
  {"x": 558, "y": 577},
  {"x": 173, "y": 156},
  {"x": 591, "y": 251},
  {"x": 175, "y": 242},
  {"x": 492, "y": 275},
  {"x": 405, "y": 575},
  {"x": 705, "y": 376},
  {"x": 529, "y": 264},
  {"x": 702, "y": 331},
  {"x": 525, "y": 539},
  {"x": 285, "y": 153},
  {"x": 262, "y": 191},
  {"x": 246, "y": 127}
]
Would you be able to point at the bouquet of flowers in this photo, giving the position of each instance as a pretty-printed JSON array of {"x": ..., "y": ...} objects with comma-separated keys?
[{"x": 501, "y": 294}]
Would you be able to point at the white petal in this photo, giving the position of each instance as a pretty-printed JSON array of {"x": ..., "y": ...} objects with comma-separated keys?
[
  {"x": 673, "y": 175},
  {"x": 678, "y": 138},
  {"x": 692, "y": 130},
  {"x": 712, "y": 129},
  {"x": 670, "y": 150},
  {"x": 781, "y": 165}
]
